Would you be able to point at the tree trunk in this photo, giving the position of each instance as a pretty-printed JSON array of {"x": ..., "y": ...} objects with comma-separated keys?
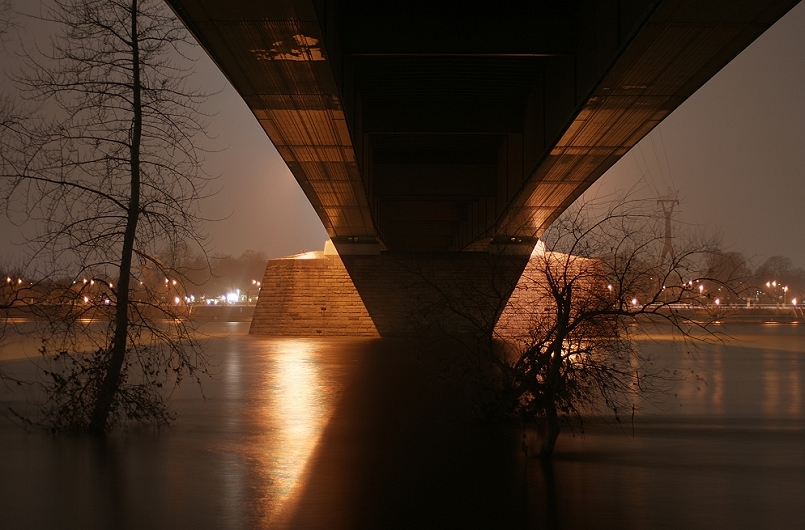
[
  {"x": 111, "y": 381},
  {"x": 554, "y": 374},
  {"x": 552, "y": 430}
]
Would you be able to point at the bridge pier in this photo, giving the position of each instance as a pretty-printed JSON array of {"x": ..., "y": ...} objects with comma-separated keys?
[{"x": 389, "y": 294}]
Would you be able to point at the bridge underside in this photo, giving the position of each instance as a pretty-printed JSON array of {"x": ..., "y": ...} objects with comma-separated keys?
[{"x": 416, "y": 126}]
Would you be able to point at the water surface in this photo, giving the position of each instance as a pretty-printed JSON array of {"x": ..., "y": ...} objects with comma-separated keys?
[{"x": 380, "y": 434}]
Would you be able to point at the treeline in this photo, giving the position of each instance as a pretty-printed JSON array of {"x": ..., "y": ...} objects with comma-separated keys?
[
  {"x": 213, "y": 276},
  {"x": 201, "y": 276},
  {"x": 776, "y": 280}
]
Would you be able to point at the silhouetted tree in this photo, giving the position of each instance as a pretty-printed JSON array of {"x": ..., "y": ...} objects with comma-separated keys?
[
  {"x": 5, "y": 18},
  {"x": 567, "y": 342},
  {"x": 728, "y": 268},
  {"x": 230, "y": 272},
  {"x": 106, "y": 170},
  {"x": 785, "y": 281}
]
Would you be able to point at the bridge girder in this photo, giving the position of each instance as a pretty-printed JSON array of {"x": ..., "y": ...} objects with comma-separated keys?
[{"x": 413, "y": 125}]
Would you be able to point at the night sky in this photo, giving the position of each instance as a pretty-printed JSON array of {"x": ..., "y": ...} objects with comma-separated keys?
[{"x": 735, "y": 152}]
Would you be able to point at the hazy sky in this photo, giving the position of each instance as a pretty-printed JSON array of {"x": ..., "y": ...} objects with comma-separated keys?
[{"x": 735, "y": 152}]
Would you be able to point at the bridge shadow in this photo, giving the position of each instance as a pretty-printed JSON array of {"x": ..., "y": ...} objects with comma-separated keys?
[{"x": 404, "y": 450}]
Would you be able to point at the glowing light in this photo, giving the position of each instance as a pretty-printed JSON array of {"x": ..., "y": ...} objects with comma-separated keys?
[
  {"x": 634, "y": 302},
  {"x": 86, "y": 299},
  {"x": 609, "y": 287},
  {"x": 232, "y": 297},
  {"x": 718, "y": 301},
  {"x": 793, "y": 301},
  {"x": 176, "y": 300},
  {"x": 298, "y": 413},
  {"x": 701, "y": 288},
  {"x": 174, "y": 282}
]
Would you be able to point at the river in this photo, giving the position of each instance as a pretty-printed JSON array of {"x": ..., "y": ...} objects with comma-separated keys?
[{"x": 337, "y": 433}]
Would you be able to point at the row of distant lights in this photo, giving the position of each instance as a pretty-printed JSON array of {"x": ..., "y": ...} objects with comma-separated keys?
[
  {"x": 91, "y": 282},
  {"x": 635, "y": 302},
  {"x": 783, "y": 287},
  {"x": 231, "y": 297},
  {"x": 106, "y": 301}
]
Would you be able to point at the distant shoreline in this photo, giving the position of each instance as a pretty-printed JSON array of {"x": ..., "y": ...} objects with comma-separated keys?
[
  {"x": 244, "y": 313},
  {"x": 200, "y": 313}
]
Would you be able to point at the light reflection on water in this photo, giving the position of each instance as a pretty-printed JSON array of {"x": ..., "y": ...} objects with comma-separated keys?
[
  {"x": 295, "y": 412},
  {"x": 370, "y": 434},
  {"x": 278, "y": 395}
]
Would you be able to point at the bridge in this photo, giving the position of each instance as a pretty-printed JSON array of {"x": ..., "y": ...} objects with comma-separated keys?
[{"x": 428, "y": 134}]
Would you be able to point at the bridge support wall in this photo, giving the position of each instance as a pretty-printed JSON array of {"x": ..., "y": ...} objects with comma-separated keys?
[
  {"x": 308, "y": 297},
  {"x": 390, "y": 294},
  {"x": 435, "y": 294}
]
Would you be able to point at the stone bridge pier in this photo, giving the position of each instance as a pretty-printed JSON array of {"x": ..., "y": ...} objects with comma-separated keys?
[{"x": 391, "y": 294}]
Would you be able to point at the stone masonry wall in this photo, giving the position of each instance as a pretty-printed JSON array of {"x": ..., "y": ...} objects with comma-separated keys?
[
  {"x": 531, "y": 301},
  {"x": 308, "y": 298},
  {"x": 418, "y": 294}
]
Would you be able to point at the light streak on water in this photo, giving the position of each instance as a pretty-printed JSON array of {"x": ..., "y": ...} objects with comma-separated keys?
[{"x": 295, "y": 411}]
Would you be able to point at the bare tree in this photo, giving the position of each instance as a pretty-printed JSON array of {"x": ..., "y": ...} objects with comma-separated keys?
[
  {"x": 5, "y": 18},
  {"x": 779, "y": 280},
  {"x": 105, "y": 171},
  {"x": 596, "y": 281}
]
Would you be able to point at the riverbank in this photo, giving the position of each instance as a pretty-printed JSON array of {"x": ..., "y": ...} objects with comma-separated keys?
[{"x": 742, "y": 315}]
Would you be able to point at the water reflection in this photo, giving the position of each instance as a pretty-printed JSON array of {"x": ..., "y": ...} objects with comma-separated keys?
[
  {"x": 276, "y": 397},
  {"x": 795, "y": 401},
  {"x": 771, "y": 387},
  {"x": 717, "y": 380},
  {"x": 294, "y": 407},
  {"x": 373, "y": 434}
]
